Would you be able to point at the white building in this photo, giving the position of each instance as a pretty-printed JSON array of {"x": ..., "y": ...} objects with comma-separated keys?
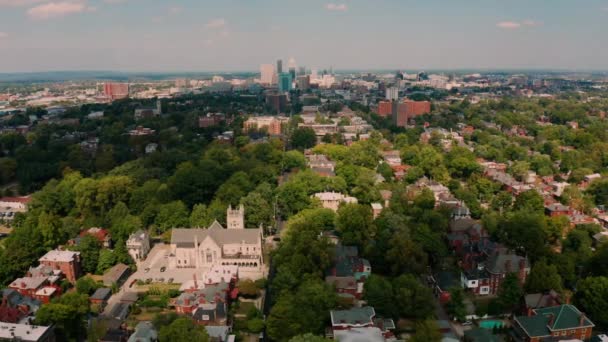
[
  {"x": 392, "y": 93},
  {"x": 332, "y": 200},
  {"x": 202, "y": 249},
  {"x": 266, "y": 73},
  {"x": 138, "y": 245}
]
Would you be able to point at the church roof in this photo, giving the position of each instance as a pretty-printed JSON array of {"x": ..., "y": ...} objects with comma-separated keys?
[{"x": 184, "y": 237}]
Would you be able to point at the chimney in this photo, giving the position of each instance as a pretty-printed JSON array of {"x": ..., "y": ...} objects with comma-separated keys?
[{"x": 551, "y": 320}]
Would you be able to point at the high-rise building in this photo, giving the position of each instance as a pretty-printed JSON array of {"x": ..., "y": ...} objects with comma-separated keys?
[
  {"x": 392, "y": 93},
  {"x": 385, "y": 108},
  {"x": 285, "y": 81},
  {"x": 279, "y": 66},
  {"x": 278, "y": 102},
  {"x": 292, "y": 67},
  {"x": 116, "y": 91},
  {"x": 292, "y": 72},
  {"x": 266, "y": 73},
  {"x": 302, "y": 71}
]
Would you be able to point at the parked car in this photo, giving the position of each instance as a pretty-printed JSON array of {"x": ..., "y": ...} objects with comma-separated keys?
[
  {"x": 147, "y": 269},
  {"x": 467, "y": 323},
  {"x": 163, "y": 269}
]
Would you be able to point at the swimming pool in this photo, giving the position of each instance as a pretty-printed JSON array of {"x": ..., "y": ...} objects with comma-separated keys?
[{"x": 491, "y": 324}]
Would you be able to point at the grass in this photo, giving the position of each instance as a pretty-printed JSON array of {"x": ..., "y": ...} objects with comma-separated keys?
[
  {"x": 160, "y": 286},
  {"x": 244, "y": 308}
]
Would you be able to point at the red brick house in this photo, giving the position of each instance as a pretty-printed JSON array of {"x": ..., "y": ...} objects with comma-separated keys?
[
  {"x": 68, "y": 262},
  {"x": 563, "y": 322}
]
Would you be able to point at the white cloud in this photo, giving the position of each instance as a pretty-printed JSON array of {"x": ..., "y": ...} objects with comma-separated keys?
[
  {"x": 216, "y": 23},
  {"x": 3, "y": 35},
  {"x": 58, "y": 9},
  {"x": 509, "y": 25},
  {"x": 336, "y": 7}
]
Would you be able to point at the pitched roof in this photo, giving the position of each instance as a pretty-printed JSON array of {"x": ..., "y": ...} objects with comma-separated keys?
[
  {"x": 101, "y": 294},
  {"x": 183, "y": 237},
  {"x": 354, "y": 316},
  {"x": 500, "y": 260},
  {"x": 480, "y": 335},
  {"x": 547, "y": 320}
]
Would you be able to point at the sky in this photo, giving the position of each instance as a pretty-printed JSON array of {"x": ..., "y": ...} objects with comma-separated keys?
[{"x": 239, "y": 35}]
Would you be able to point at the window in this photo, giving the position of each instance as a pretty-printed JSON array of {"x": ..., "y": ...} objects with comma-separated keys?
[
  {"x": 572, "y": 332},
  {"x": 564, "y": 332},
  {"x": 209, "y": 257},
  {"x": 584, "y": 330},
  {"x": 556, "y": 333}
]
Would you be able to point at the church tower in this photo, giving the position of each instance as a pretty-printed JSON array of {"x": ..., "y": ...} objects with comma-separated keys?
[{"x": 235, "y": 218}]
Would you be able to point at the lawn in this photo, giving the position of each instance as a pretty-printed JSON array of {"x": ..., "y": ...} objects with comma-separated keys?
[{"x": 244, "y": 308}]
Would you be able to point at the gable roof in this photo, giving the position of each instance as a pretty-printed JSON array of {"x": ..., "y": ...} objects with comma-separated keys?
[
  {"x": 184, "y": 237},
  {"x": 354, "y": 316}
]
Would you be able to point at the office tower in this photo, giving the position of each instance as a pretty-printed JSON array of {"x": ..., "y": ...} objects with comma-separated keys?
[
  {"x": 278, "y": 102},
  {"x": 266, "y": 73},
  {"x": 302, "y": 71},
  {"x": 116, "y": 91},
  {"x": 279, "y": 66},
  {"x": 292, "y": 72},
  {"x": 292, "y": 68},
  {"x": 392, "y": 93},
  {"x": 285, "y": 81},
  {"x": 303, "y": 82}
]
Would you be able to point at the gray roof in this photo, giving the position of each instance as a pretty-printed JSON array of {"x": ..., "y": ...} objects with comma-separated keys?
[
  {"x": 184, "y": 237},
  {"x": 354, "y": 316},
  {"x": 102, "y": 294},
  {"x": 144, "y": 332},
  {"x": 498, "y": 261}
]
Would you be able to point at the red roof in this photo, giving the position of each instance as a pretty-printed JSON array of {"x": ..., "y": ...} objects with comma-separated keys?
[{"x": 24, "y": 199}]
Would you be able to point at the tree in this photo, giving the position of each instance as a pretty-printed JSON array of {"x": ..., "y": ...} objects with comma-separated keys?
[
  {"x": 455, "y": 306},
  {"x": 182, "y": 329},
  {"x": 107, "y": 259},
  {"x": 355, "y": 224},
  {"x": 67, "y": 313},
  {"x": 172, "y": 215},
  {"x": 86, "y": 285},
  {"x": 427, "y": 331},
  {"x": 556, "y": 226},
  {"x": 200, "y": 216},
  {"x": 258, "y": 211},
  {"x": 413, "y": 299},
  {"x": 89, "y": 248},
  {"x": 309, "y": 338},
  {"x": 293, "y": 160},
  {"x": 531, "y": 201},
  {"x": 378, "y": 292},
  {"x": 524, "y": 231},
  {"x": 303, "y": 138},
  {"x": 543, "y": 277},
  {"x": 405, "y": 256},
  {"x": 248, "y": 288},
  {"x": 592, "y": 297},
  {"x": 509, "y": 292}
]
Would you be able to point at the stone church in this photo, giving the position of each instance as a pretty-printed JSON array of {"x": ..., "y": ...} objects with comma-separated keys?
[{"x": 235, "y": 245}]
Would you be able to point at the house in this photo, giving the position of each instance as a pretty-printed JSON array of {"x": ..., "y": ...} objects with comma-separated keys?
[
  {"x": 486, "y": 276},
  {"x": 148, "y": 112},
  {"x": 118, "y": 274},
  {"x": 480, "y": 335},
  {"x": 553, "y": 323},
  {"x": 144, "y": 332},
  {"x": 218, "y": 333},
  {"x": 332, "y": 200},
  {"x": 68, "y": 262},
  {"x": 102, "y": 235},
  {"x": 348, "y": 272},
  {"x": 557, "y": 209},
  {"x": 376, "y": 209},
  {"x": 26, "y": 333},
  {"x": 9, "y": 206},
  {"x": 207, "y": 306},
  {"x": 321, "y": 165},
  {"x": 347, "y": 324},
  {"x": 138, "y": 245},
  {"x": 15, "y": 307},
  {"x": 392, "y": 158},
  {"x": 101, "y": 296},
  {"x": 216, "y": 245},
  {"x": 36, "y": 287},
  {"x": 399, "y": 171}
]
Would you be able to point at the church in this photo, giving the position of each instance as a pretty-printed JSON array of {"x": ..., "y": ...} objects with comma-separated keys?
[{"x": 235, "y": 245}]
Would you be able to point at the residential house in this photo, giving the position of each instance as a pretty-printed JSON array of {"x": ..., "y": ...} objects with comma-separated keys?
[
  {"x": 36, "y": 287},
  {"x": 138, "y": 245},
  {"x": 321, "y": 165},
  {"x": 553, "y": 323},
  {"x": 486, "y": 276},
  {"x": 376, "y": 209},
  {"x": 100, "y": 297},
  {"x": 102, "y": 235},
  {"x": 361, "y": 323},
  {"x": 557, "y": 209},
  {"x": 535, "y": 301},
  {"x": 15, "y": 307},
  {"x": 9, "y": 206},
  {"x": 333, "y": 200},
  {"x": 348, "y": 272},
  {"x": 207, "y": 306},
  {"x": 144, "y": 332},
  {"x": 68, "y": 262}
]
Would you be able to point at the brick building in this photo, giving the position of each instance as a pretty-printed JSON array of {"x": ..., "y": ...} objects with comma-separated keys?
[
  {"x": 385, "y": 109},
  {"x": 563, "y": 322},
  {"x": 68, "y": 262},
  {"x": 406, "y": 110}
]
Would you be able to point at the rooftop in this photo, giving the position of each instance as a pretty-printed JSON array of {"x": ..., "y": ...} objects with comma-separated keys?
[
  {"x": 23, "y": 332},
  {"x": 59, "y": 256},
  {"x": 547, "y": 320},
  {"x": 222, "y": 236},
  {"x": 355, "y": 316}
]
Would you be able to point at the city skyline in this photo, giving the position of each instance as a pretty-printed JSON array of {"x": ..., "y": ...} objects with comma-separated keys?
[{"x": 187, "y": 35}]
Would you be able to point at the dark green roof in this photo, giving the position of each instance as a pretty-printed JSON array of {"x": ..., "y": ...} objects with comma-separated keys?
[
  {"x": 480, "y": 335},
  {"x": 564, "y": 317}
]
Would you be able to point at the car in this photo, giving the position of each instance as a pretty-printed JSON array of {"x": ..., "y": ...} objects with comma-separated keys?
[
  {"x": 276, "y": 238},
  {"x": 160, "y": 280},
  {"x": 163, "y": 269},
  {"x": 466, "y": 323},
  {"x": 170, "y": 281},
  {"x": 147, "y": 269}
]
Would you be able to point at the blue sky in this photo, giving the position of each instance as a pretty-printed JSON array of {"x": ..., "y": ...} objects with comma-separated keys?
[{"x": 229, "y": 35}]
